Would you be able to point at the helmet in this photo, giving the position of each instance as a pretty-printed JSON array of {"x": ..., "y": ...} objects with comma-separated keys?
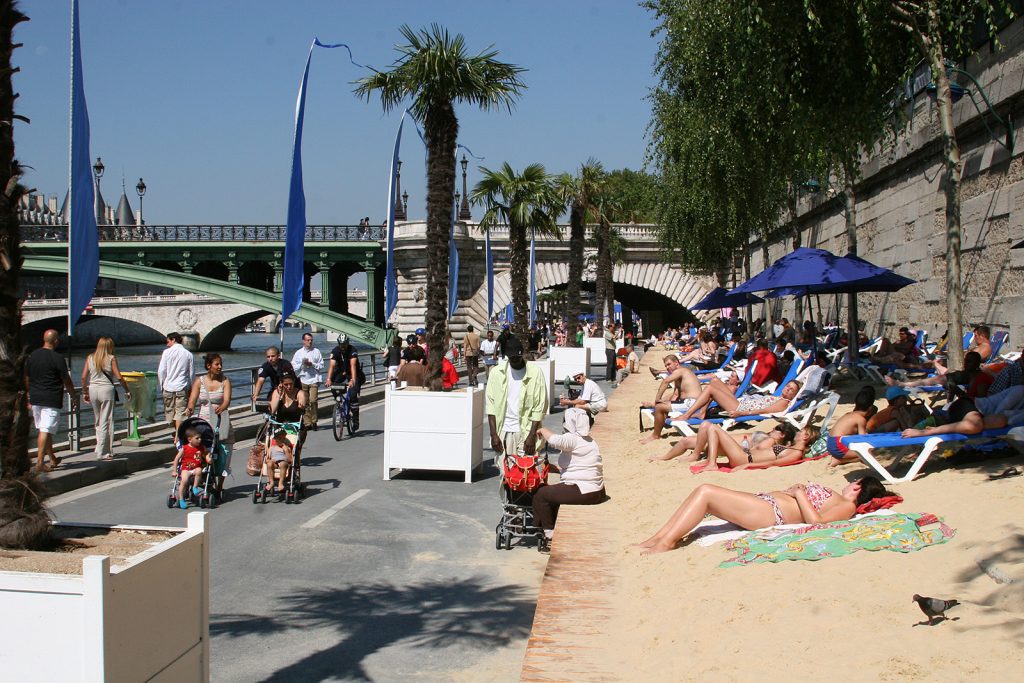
[
  {"x": 420, "y": 331},
  {"x": 342, "y": 339},
  {"x": 411, "y": 339}
]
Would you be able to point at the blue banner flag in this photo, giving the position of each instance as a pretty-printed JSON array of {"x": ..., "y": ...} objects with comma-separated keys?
[
  {"x": 295, "y": 233},
  {"x": 390, "y": 278},
  {"x": 453, "y": 266},
  {"x": 83, "y": 240},
  {"x": 490, "y": 275},
  {"x": 533, "y": 277}
]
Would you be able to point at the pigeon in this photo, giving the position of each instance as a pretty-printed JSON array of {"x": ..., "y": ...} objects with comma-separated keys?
[{"x": 934, "y": 607}]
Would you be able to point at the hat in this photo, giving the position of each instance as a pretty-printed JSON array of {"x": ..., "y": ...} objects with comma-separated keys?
[
  {"x": 505, "y": 326},
  {"x": 513, "y": 347},
  {"x": 892, "y": 393},
  {"x": 411, "y": 339},
  {"x": 577, "y": 421},
  {"x": 420, "y": 330}
]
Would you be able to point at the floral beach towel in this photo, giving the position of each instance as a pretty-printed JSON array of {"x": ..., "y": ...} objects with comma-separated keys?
[{"x": 898, "y": 532}]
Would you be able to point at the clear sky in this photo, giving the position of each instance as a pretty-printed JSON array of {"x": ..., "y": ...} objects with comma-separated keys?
[{"x": 198, "y": 98}]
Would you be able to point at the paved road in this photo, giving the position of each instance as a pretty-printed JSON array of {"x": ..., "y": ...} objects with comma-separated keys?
[{"x": 365, "y": 580}]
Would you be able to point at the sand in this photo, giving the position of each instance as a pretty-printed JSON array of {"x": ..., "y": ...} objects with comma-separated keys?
[
  {"x": 77, "y": 543},
  {"x": 678, "y": 616}
]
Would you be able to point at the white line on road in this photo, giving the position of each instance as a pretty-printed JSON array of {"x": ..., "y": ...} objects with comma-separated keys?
[
  {"x": 99, "y": 488},
  {"x": 331, "y": 511}
]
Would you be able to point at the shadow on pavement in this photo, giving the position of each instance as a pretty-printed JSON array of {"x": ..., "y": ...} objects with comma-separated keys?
[{"x": 368, "y": 618}]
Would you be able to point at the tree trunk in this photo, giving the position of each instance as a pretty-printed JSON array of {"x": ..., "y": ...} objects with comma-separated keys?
[
  {"x": 604, "y": 273},
  {"x": 441, "y": 128},
  {"x": 519, "y": 276},
  {"x": 850, "y": 199},
  {"x": 577, "y": 234},
  {"x": 954, "y": 304},
  {"x": 750, "y": 308},
  {"x": 24, "y": 522},
  {"x": 769, "y": 333},
  {"x": 798, "y": 315}
]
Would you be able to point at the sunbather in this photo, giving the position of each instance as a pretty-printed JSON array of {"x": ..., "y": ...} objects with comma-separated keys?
[
  {"x": 811, "y": 503},
  {"x": 753, "y": 441},
  {"x": 854, "y": 422},
  {"x": 716, "y": 442},
  {"x": 962, "y": 417},
  {"x": 705, "y": 353},
  {"x": 980, "y": 343},
  {"x": 749, "y": 404},
  {"x": 682, "y": 388},
  {"x": 903, "y": 350},
  {"x": 967, "y": 376}
]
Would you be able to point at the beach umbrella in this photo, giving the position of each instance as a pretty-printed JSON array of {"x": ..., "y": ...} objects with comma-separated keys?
[
  {"x": 719, "y": 297},
  {"x": 816, "y": 271}
]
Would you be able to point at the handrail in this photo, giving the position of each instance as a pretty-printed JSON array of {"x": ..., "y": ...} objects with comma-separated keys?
[{"x": 206, "y": 233}]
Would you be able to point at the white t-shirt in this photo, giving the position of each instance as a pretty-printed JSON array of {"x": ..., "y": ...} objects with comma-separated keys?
[
  {"x": 579, "y": 461},
  {"x": 488, "y": 347},
  {"x": 515, "y": 386},
  {"x": 591, "y": 392}
]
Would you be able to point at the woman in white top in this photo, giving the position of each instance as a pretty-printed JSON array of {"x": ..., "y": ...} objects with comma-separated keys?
[
  {"x": 489, "y": 352},
  {"x": 212, "y": 393},
  {"x": 99, "y": 374},
  {"x": 579, "y": 463}
]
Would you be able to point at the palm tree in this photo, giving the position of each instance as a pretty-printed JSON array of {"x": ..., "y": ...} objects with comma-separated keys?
[
  {"x": 523, "y": 201},
  {"x": 581, "y": 192},
  {"x": 435, "y": 71},
  {"x": 23, "y": 519}
]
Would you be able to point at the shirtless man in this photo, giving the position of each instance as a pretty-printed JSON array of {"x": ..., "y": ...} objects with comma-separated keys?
[
  {"x": 981, "y": 344},
  {"x": 855, "y": 422},
  {"x": 685, "y": 389}
]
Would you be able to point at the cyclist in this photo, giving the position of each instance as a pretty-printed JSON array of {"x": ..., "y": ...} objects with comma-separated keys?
[{"x": 346, "y": 372}]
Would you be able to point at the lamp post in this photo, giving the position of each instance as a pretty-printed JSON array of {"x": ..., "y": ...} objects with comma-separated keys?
[
  {"x": 464, "y": 214},
  {"x": 140, "y": 190},
  {"x": 405, "y": 204},
  {"x": 400, "y": 214},
  {"x": 97, "y": 171}
]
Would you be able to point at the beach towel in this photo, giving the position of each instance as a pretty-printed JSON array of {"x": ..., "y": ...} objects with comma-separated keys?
[
  {"x": 725, "y": 468},
  {"x": 713, "y": 530},
  {"x": 896, "y": 532}
]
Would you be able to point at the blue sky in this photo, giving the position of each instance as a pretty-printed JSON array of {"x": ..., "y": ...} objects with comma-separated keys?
[{"x": 198, "y": 98}]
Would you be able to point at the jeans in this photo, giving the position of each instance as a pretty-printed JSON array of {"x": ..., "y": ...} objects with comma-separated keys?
[
  {"x": 610, "y": 369},
  {"x": 547, "y": 499}
]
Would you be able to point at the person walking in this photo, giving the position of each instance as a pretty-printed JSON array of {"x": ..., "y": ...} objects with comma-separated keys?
[
  {"x": 516, "y": 402},
  {"x": 174, "y": 376},
  {"x": 271, "y": 371},
  {"x": 212, "y": 393},
  {"x": 99, "y": 375},
  {"x": 47, "y": 378},
  {"x": 609, "y": 353},
  {"x": 308, "y": 363},
  {"x": 489, "y": 350},
  {"x": 392, "y": 358},
  {"x": 471, "y": 350}
]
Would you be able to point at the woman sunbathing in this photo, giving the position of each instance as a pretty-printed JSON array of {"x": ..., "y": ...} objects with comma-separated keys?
[
  {"x": 748, "y": 404},
  {"x": 717, "y": 443},
  {"x": 782, "y": 434},
  {"x": 811, "y": 503}
]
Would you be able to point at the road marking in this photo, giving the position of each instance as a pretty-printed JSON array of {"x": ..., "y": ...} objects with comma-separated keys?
[
  {"x": 100, "y": 488},
  {"x": 334, "y": 509}
]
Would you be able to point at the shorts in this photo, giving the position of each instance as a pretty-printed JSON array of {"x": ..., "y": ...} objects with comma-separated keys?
[
  {"x": 46, "y": 419},
  {"x": 836, "y": 448},
  {"x": 174, "y": 405},
  {"x": 684, "y": 406},
  {"x": 189, "y": 465},
  {"x": 392, "y": 371}
]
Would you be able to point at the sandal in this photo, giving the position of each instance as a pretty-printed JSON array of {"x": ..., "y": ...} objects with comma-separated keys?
[
  {"x": 1005, "y": 474},
  {"x": 56, "y": 463}
]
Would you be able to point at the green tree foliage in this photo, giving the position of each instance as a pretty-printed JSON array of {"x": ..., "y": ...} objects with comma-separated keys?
[
  {"x": 435, "y": 71},
  {"x": 581, "y": 193}
]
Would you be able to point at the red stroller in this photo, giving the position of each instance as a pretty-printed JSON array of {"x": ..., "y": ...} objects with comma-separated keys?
[{"x": 521, "y": 476}]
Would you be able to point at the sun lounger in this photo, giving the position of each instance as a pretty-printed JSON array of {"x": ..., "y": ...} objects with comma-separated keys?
[
  {"x": 728, "y": 359},
  {"x": 864, "y": 445},
  {"x": 798, "y": 413},
  {"x": 647, "y": 414}
]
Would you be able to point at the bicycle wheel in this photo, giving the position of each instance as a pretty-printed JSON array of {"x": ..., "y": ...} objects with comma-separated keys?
[
  {"x": 348, "y": 423},
  {"x": 338, "y": 423}
]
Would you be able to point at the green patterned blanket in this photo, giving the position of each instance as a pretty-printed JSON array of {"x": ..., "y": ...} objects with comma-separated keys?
[{"x": 896, "y": 532}]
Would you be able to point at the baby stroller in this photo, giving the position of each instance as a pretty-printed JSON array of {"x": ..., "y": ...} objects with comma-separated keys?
[
  {"x": 294, "y": 490},
  {"x": 521, "y": 476},
  {"x": 212, "y": 479}
]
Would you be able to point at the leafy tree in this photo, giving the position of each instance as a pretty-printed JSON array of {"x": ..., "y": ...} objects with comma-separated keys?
[
  {"x": 523, "y": 201},
  {"x": 23, "y": 519},
  {"x": 581, "y": 193},
  {"x": 435, "y": 71}
]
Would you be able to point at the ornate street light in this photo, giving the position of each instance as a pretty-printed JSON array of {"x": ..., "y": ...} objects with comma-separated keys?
[
  {"x": 464, "y": 214},
  {"x": 97, "y": 171},
  {"x": 405, "y": 204},
  {"x": 140, "y": 190},
  {"x": 400, "y": 214}
]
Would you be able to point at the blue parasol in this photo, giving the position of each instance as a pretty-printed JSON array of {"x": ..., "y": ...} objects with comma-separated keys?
[{"x": 720, "y": 297}]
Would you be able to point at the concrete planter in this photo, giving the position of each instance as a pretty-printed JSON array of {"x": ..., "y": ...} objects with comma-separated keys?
[
  {"x": 569, "y": 361},
  {"x": 596, "y": 347},
  {"x": 146, "y": 620},
  {"x": 433, "y": 430},
  {"x": 547, "y": 367}
]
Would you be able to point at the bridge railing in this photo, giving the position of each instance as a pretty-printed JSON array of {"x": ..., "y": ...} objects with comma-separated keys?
[{"x": 207, "y": 233}]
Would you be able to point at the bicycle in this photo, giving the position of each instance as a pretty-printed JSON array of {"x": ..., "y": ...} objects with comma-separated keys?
[{"x": 342, "y": 413}]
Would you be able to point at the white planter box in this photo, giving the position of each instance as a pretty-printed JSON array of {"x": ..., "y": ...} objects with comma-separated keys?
[
  {"x": 146, "y": 620},
  {"x": 433, "y": 430},
  {"x": 569, "y": 361},
  {"x": 596, "y": 347},
  {"x": 547, "y": 367}
]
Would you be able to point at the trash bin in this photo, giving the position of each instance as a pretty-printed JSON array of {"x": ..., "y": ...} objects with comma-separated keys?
[{"x": 138, "y": 385}]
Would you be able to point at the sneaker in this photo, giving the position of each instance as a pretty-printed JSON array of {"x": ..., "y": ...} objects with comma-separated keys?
[
  {"x": 196, "y": 490},
  {"x": 183, "y": 504}
]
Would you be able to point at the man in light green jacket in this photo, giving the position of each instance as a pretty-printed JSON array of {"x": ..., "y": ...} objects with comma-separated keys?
[{"x": 516, "y": 402}]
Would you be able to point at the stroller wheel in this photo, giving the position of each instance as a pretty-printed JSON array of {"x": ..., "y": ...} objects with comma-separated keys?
[
  {"x": 204, "y": 501},
  {"x": 508, "y": 541},
  {"x": 171, "y": 501},
  {"x": 497, "y": 539},
  {"x": 256, "y": 496}
]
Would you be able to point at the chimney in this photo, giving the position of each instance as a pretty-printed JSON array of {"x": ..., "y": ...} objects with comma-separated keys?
[{"x": 52, "y": 203}]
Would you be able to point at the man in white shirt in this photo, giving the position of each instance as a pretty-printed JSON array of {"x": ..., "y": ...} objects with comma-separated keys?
[
  {"x": 308, "y": 362},
  {"x": 489, "y": 351},
  {"x": 591, "y": 397},
  {"x": 174, "y": 375}
]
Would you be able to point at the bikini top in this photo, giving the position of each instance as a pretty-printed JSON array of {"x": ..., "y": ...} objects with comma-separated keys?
[
  {"x": 817, "y": 494},
  {"x": 778, "y": 448}
]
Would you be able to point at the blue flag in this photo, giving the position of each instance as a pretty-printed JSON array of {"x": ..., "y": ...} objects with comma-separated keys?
[
  {"x": 390, "y": 279},
  {"x": 533, "y": 277},
  {"x": 83, "y": 241},
  {"x": 453, "y": 266},
  {"x": 490, "y": 275}
]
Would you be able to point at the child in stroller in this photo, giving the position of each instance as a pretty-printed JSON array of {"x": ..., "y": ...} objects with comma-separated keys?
[
  {"x": 521, "y": 477},
  {"x": 278, "y": 455},
  {"x": 279, "y": 460},
  {"x": 199, "y": 461}
]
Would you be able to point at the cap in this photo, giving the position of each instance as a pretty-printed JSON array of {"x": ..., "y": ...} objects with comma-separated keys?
[
  {"x": 513, "y": 347},
  {"x": 420, "y": 330},
  {"x": 505, "y": 326},
  {"x": 893, "y": 393}
]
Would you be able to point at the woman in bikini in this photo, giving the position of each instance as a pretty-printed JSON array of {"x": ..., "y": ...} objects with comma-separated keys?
[
  {"x": 748, "y": 404},
  {"x": 782, "y": 434},
  {"x": 718, "y": 442},
  {"x": 801, "y": 503}
]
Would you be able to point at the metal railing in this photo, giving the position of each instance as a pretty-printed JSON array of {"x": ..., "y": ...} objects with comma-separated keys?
[{"x": 207, "y": 233}]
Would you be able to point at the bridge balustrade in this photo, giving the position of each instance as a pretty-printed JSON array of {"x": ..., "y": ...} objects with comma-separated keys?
[{"x": 207, "y": 233}]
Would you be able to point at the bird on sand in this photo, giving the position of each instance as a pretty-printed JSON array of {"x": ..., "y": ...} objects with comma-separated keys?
[{"x": 934, "y": 607}]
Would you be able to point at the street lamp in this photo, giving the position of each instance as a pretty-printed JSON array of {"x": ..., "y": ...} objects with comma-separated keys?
[
  {"x": 97, "y": 171},
  {"x": 399, "y": 210},
  {"x": 464, "y": 214},
  {"x": 140, "y": 190},
  {"x": 405, "y": 205}
]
